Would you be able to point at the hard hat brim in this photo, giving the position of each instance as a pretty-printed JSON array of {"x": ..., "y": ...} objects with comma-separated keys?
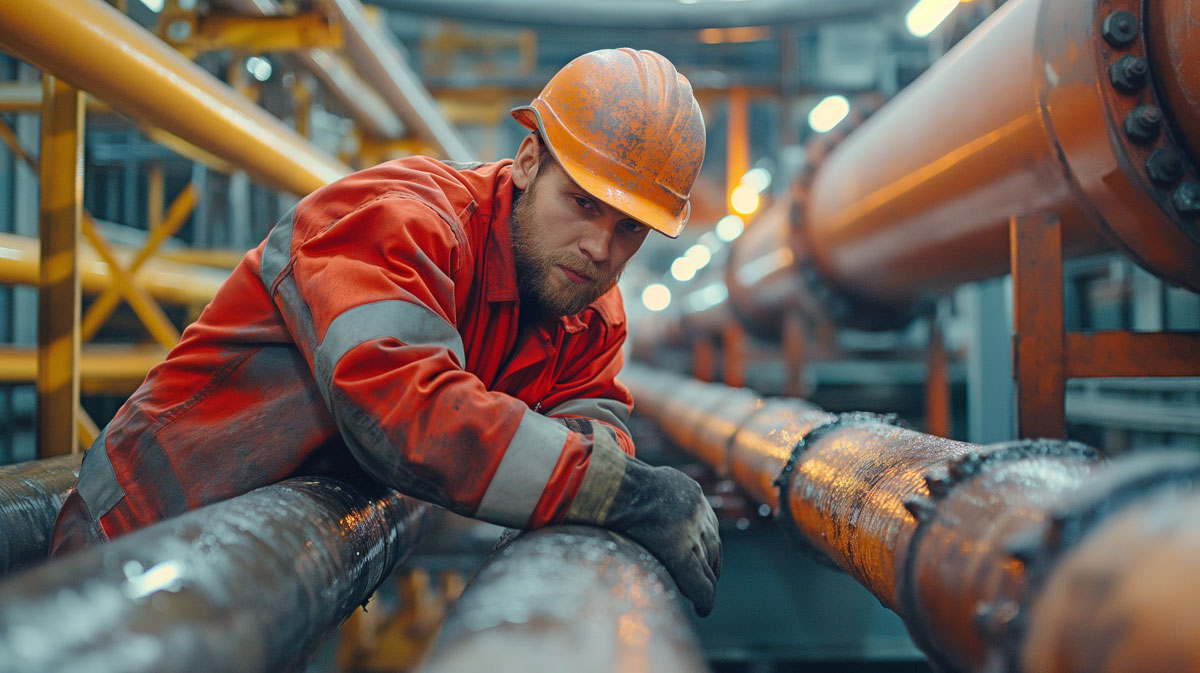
[{"x": 639, "y": 208}]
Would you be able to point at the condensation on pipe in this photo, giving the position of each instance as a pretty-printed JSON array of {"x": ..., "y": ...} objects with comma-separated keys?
[
  {"x": 96, "y": 48},
  {"x": 31, "y": 494},
  {"x": 1007, "y": 557},
  {"x": 568, "y": 598},
  {"x": 639, "y": 14},
  {"x": 254, "y": 583}
]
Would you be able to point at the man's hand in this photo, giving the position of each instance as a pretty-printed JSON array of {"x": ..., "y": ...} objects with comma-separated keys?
[{"x": 660, "y": 508}]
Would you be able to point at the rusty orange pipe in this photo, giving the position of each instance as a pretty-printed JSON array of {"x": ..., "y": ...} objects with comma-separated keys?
[
  {"x": 981, "y": 550},
  {"x": 1021, "y": 117},
  {"x": 96, "y": 48}
]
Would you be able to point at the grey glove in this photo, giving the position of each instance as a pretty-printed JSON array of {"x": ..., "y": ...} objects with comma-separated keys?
[{"x": 661, "y": 509}]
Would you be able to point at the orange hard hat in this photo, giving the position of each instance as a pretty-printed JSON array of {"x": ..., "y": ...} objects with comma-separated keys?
[{"x": 627, "y": 129}]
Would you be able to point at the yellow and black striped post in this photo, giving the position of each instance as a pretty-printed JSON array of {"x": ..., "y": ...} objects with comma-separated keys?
[{"x": 58, "y": 281}]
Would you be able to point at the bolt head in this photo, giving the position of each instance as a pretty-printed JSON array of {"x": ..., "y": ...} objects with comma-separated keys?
[
  {"x": 1187, "y": 198},
  {"x": 1164, "y": 166},
  {"x": 1143, "y": 122},
  {"x": 1129, "y": 73},
  {"x": 1119, "y": 28}
]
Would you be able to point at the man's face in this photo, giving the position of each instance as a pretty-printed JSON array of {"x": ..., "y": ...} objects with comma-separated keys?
[{"x": 570, "y": 248}]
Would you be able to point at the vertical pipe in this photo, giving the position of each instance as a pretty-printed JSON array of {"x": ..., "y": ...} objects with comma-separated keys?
[
  {"x": 568, "y": 598},
  {"x": 937, "y": 383},
  {"x": 58, "y": 277}
]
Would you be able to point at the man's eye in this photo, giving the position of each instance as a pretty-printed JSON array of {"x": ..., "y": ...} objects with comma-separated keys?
[
  {"x": 633, "y": 227},
  {"x": 584, "y": 204}
]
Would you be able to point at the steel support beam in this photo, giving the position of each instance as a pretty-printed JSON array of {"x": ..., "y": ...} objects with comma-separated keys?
[
  {"x": 568, "y": 598},
  {"x": 143, "y": 77},
  {"x": 381, "y": 63},
  {"x": 58, "y": 269},
  {"x": 171, "y": 282},
  {"x": 250, "y": 584}
]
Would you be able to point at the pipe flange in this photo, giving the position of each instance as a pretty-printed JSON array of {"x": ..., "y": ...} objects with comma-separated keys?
[
  {"x": 783, "y": 515},
  {"x": 1142, "y": 133},
  {"x": 940, "y": 482},
  {"x": 1039, "y": 550}
]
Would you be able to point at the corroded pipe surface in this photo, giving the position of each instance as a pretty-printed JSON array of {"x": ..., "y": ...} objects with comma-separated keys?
[
  {"x": 568, "y": 598},
  {"x": 99, "y": 50},
  {"x": 30, "y": 496},
  {"x": 250, "y": 584},
  {"x": 1020, "y": 556}
]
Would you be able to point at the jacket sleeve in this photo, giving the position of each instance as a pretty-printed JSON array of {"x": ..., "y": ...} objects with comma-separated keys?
[
  {"x": 590, "y": 392},
  {"x": 370, "y": 301}
]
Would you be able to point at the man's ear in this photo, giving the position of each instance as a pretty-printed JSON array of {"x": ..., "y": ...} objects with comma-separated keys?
[{"x": 525, "y": 163}]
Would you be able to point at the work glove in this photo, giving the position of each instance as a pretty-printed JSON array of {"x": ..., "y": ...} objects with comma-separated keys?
[{"x": 661, "y": 509}]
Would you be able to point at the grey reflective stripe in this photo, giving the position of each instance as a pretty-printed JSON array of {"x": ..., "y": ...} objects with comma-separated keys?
[
  {"x": 278, "y": 249},
  {"x": 98, "y": 484},
  {"x": 606, "y": 470},
  {"x": 412, "y": 324},
  {"x": 602, "y": 409},
  {"x": 524, "y": 471}
]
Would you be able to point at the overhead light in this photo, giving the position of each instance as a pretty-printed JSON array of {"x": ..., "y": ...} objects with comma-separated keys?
[
  {"x": 744, "y": 199},
  {"x": 153, "y": 5},
  {"x": 699, "y": 255},
  {"x": 259, "y": 68},
  {"x": 829, "y": 113},
  {"x": 729, "y": 228},
  {"x": 758, "y": 179},
  {"x": 656, "y": 296},
  {"x": 683, "y": 269},
  {"x": 927, "y": 15}
]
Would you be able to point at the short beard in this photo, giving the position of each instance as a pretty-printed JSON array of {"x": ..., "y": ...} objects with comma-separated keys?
[{"x": 534, "y": 265}]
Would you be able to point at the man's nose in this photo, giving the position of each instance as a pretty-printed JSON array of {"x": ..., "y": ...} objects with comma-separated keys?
[{"x": 595, "y": 241}]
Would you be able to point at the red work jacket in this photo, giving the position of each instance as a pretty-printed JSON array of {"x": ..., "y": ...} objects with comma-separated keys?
[{"x": 378, "y": 320}]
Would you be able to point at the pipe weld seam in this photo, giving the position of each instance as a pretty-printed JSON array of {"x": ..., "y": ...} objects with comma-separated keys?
[
  {"x": 940, "y": 482},
  {"x": 783, "y": 515},
  {"x": 1067, "y": 529}
]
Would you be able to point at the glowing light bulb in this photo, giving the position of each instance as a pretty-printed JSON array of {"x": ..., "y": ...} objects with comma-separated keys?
[
  {"x": 829, "y": 113},
  {"x": 656, "y": 296}
]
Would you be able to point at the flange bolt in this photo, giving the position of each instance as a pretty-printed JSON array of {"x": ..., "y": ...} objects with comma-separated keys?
[
  {"x": 1187, "y": 198},
  {"x": 1143, "y": 122},
  {"x": 1129, "y": 73},
  {"x": 1164, "y": 166},
  {"x": 1119, "y": 28}
]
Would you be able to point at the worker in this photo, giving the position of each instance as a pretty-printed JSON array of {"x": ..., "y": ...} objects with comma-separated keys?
[{"x": 453, "y": 330}]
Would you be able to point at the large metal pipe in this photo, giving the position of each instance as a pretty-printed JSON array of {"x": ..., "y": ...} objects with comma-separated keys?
[
  {"x": 568, "y": 598},
  {"x": 170, "y": 282},
  {"x": 99, "y": 50},
  {"x": 381, "y": 62},
  {"x": 981, "y": 550},
  {"x": 1049, "y": 106},
  {"x": 638, "y": 14},
  {"x": 31, "y": 494},
  {"x": 250, "y": 584}
]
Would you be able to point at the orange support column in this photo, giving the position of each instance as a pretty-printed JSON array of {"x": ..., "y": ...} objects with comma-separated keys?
[
  {"x": 737, "y": 155},
  {"x": 1039, "y": 362},
  {"x": 937, "y": 383},
  {"x": 58, "y": 277}
]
